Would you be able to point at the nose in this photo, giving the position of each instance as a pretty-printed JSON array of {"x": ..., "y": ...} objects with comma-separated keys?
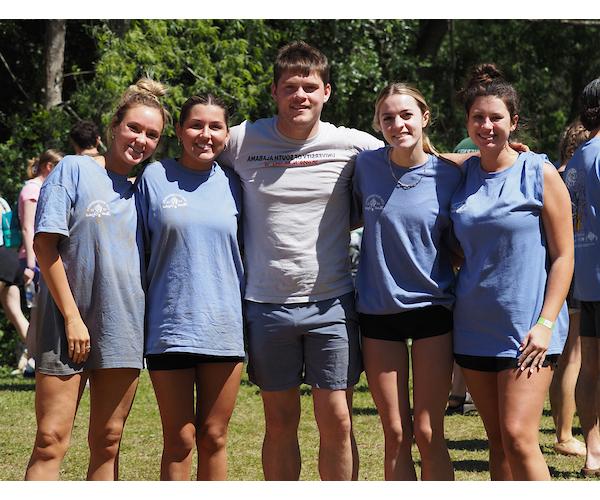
[
  {"x": 205, "y": 131},
  {"x": 141, "y": 138},
  {"x": 398, "y": 122},
  {"x": 300, "y": 94},
  {"x": 487, "y": 123}
]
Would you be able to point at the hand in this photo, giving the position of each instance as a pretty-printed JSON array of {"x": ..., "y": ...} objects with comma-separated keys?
[
  {"x": 78, "y": 339},
  {"x": 534, "y": 347},
  {"x": 28, "y": 275},
  {"x": 519, "y": 147}
]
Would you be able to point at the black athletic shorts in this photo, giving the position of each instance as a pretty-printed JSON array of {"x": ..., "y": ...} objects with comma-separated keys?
[
  {"x": 10, "y": 269},
  {"x": 185, "y": 360},
  {"x": 494, "y": 364},
  {"x": 590, "y": 319},
  {"x": 429, "y": 321}
]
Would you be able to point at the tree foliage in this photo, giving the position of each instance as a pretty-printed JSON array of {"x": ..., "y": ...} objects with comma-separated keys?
[{"x": 549, "y": 62}]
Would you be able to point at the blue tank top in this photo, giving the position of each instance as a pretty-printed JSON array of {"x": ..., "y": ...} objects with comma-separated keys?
[
  {"x": 405, "y": 262},
  {"x": 500, "y": 290},
  {"x": 582, "y": 177}
]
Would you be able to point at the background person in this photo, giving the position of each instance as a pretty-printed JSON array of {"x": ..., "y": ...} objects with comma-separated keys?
[
  {"x": 511, "y": 218},
  {"x": 85, "y": 139},
  {"x": 191, "y": 209},
  {"x": 91, "y": 314},
  {"x": 404, "y": 283},
  {"x": 582, "y": 179},
  {"x": 37, "y": 171},
  {"x": 564, "y": 380}
]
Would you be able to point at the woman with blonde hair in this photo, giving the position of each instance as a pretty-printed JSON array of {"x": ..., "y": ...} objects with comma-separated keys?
[
  {"x": 405, "y": 281},
  {"x": 91, "y": 303}
]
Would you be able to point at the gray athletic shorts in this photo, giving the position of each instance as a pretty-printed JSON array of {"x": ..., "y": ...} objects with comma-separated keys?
[{"x": 316, "y": 343}]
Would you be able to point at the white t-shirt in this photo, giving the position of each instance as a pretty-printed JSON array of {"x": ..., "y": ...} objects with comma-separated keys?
[{"x": 297, "y": 197}]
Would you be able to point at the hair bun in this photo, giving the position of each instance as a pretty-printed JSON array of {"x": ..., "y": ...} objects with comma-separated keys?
[
  {"x": 149, "y": 86},
  {"x": 484, "y": 74}
]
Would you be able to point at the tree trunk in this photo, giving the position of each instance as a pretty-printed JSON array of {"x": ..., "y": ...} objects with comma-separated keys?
[{"x": 56, "y": 30}]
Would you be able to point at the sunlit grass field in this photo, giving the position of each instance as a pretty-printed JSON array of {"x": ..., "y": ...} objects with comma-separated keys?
[{"x": 142, "y": 442}]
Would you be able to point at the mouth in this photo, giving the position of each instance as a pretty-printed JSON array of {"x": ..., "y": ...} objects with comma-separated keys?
[
  {"x": 136, "y": 152},
  {"x": 203, "y": 148}
]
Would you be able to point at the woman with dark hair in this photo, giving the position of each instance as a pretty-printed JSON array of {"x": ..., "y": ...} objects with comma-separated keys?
[
  {"x": 582, "y": 177},
  {"x": 511, "y": 218},
  {"x": 91, "y": 302},
  {"x": 191, "y": 208}
]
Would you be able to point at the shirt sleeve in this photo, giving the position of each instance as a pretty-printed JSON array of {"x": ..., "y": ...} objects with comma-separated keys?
[{"x": 56, "y": 199}]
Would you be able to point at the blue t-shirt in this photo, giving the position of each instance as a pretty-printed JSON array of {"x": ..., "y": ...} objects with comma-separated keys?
[
  {"x": 194, "y": 267},
  {"x": 582, "y": 177},
  {"x": 501, "y": 285},
  {"x": 94, "y": 209},
  {"x": 405, "y": 262}
]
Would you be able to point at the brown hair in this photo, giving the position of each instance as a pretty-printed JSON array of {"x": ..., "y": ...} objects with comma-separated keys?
[
  {"x": 399, "y": 88},
  {"x": 303, "y": 58},
  {"x": 487, "y": 80},
  {"x": 145, "y": 92},
  {"x": 572, "y": 137},
  {"x": 49, "y": 156},
  {"x": 206, "y": 100}
]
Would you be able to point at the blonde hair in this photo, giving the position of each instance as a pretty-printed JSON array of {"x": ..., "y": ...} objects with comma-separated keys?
[
  {"x": 145, "y": 92},
  {"x": 399, "y": 88},
  {"x": 49, "y": 156}
]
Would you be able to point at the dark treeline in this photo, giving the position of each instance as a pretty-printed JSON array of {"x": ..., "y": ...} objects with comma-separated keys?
[{"x": 549, "y": 62}]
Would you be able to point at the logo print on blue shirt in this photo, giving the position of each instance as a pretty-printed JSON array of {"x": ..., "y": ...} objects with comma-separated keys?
[
  {"x": 374, "y": 203},
  {"x": 97, "y": 208},
  {"x": 174, "y": 201}
]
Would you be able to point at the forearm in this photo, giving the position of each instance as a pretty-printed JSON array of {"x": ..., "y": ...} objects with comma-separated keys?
[
  {"x": 557, "y": 287},
  {"x": 28, "y": 233},
  {"x": 55, "y": 277}
]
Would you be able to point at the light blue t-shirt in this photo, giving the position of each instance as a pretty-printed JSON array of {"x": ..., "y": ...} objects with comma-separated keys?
[
  {"x": 194, "y": 268},
  {"x": 405, "y": 262},
  {"x": 582, "y": 177},
  {"x": 94, "y": 209},
  {"x": 501, "y": 285}
]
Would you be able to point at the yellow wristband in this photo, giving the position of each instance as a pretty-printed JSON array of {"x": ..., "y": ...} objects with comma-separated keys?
[{"x": 545, "y": 322}]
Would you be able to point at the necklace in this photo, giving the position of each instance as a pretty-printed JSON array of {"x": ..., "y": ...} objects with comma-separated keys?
[{"x": 399, "y": 183}]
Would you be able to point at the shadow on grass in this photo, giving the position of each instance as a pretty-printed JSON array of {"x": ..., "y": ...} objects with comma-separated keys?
[
  {"x": 468, "y": 444},
  {"x": 357, "y": 410},
  {"x": 564, "y": 474},
  {"x": 17, "y": 387},
  {"x": 550, "y": 430},
  {"x": 471, "y": 465}
]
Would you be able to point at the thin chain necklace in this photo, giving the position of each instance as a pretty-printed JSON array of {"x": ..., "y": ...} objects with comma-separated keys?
[{"x": 399, "y": 183}]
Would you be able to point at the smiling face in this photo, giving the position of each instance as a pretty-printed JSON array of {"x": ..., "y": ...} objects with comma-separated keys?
[
  {"x": 299, "y": 100},
  {"x": 489, "y": 123},
  {"x": 135, "y": 138},
  {"x": 203, "y": 136},
  {"x": 401, "y": 121}
]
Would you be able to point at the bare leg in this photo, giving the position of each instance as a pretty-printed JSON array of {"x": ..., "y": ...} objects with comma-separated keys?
[
  {"x": 386, "y": 366},
  {"x": 588, "y": 399},
  {"x": 281, "y": 451},
  {"x": 483, "y": 387},
  {"x": 562, "y": 392},
  {"x": 56, "y": 401},
  {"x": 333, "y": 421},
  {"x": 521, "y": 401},
  {"x": 10, "y": 296},
  {"x": 111, "y": 396},
  {"x": 178, "y": 421},
  {"x": 355, "y": 456},
  {"x": 217, "y": 386},
  {"x": 432, "y": 369}
]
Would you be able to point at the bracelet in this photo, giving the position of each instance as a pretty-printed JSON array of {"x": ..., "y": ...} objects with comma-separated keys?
[{"x": 545, "y": 322}]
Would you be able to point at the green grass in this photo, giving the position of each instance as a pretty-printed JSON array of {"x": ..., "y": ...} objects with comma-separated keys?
[{"x": 141, "y": 447}]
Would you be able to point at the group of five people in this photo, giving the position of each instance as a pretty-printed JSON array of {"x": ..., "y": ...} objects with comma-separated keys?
[{"x": 247, "y": 233}]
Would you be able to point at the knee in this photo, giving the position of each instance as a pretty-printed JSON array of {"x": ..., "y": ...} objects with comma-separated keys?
[
  {"x": 519, "y": 442},
  {"x": 106, "y": 441},
  {"x": 396, "y": 437},
  {"x": 51, "y": 445},
  {"x": 281, "y": 424},
  {"x": 212, "y": 438},
  {"x": 180, "y": 441},
  {"x": 336, "y": 426}
]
